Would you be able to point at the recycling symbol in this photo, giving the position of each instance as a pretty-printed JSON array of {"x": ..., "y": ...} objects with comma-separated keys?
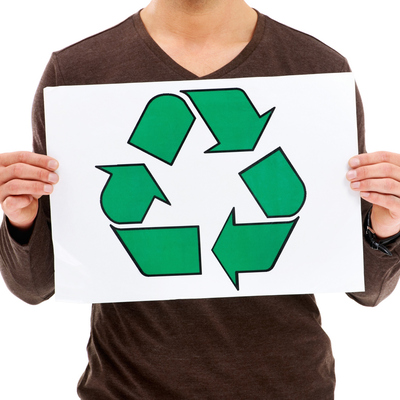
[{"x": 161, "y": 133}]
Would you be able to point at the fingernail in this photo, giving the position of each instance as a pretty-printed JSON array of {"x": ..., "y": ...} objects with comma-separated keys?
[
  {"x": 354, "y": 162},
  {"x": 355, "y": 185},
  {"x": 52, "y": 164},
  {"x": 53, "y": 178},
  {"x": 351, "y": 174},
  {"x": 364, "y": 194},
  {"x": 48, "y": 188}
]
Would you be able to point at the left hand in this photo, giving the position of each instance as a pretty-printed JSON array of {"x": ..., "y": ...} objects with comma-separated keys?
[{"x": 377, "y": 177}]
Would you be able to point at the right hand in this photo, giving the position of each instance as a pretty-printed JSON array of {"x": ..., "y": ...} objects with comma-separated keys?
[{"x": 24, "y": 178}]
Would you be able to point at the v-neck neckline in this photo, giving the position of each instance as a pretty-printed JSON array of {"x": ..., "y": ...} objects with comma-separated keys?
[{"x": 185, "y": 73}]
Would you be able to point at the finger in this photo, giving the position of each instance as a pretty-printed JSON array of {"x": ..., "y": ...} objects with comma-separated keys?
[
  {"x": 383, "y": 186},
  {"x": 20, "y": 210},
  {"x": 14, "y": 203},
  {"x": 383, "y": 170},
  {"x": 26, "y": 157},
  {"x": 374, "y": 158},
  {"x": 388, "y": 202},
  {"x": 18, "y": 187},
  {"x": 27, "y": 172}
]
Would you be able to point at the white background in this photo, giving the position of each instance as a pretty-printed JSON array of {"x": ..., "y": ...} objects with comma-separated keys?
[{"x": 42, "y": 348}]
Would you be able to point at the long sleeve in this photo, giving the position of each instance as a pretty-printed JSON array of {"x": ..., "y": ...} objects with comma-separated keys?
[
  {"x": 28, "y": 269},
  {"x": 382, "y": 272}
]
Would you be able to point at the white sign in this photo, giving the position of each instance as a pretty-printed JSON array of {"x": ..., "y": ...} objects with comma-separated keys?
[{"x": 204, "y": 188}]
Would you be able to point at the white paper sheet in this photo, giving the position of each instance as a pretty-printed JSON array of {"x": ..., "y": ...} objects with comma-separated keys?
[{"x": 206, "y": 188}]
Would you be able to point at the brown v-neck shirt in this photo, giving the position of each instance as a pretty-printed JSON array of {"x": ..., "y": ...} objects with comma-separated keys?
[{"x": 270, "y": 347}]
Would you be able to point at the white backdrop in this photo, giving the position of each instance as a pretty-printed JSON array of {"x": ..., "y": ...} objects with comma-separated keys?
[{"x": 42, "y": 348}]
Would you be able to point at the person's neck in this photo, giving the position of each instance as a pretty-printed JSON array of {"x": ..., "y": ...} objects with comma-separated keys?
[
  {"x": 192, "y": 31},
  {"x": 198, "y": 20}
]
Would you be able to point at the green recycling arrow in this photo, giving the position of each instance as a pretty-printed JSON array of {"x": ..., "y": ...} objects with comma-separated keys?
[
  {"x": 163, "y": 127},
  {"x": 161, "y": 132},
  {"x": 129, "y": 193},
  {"x": 163, "y": 251},
  {"x": 250, "y": 247},
  {"x": 275, "y": 185},
  {"x": 231, "y": 118}
]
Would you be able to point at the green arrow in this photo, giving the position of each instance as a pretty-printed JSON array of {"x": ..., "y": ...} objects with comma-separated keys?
[
  {"x": 129, "y": 193},
  {"x": 275, "y": 185},
  {"x": 163, "y": 127},
  {"x": 231, "y": 118},
  {"x": 250, "y": 247},
  {"x": 163, "y": 251}
]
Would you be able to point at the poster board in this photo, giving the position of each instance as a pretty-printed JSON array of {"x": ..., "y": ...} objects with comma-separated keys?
[{"x": 205, "y": 188}]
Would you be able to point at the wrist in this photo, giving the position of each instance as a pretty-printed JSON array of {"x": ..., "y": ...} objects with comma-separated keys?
[
  {"x": 381, "y": 231},
  {"x": 373, "y": 240}
]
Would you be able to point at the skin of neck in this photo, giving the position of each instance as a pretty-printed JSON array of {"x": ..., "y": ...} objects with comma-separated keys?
[{"x": 199, "y": 21}]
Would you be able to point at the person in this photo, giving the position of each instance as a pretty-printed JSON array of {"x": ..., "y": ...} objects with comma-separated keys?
[{"x": 266, "y": 347}]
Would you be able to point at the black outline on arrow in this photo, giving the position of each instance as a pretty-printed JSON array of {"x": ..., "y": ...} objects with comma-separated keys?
[
  {"x": 182, "y": 142},
  {"x": 153, "y": 228},
  {"x": 209, "y": 127},
  {"x": 108, "y": 180},
  {"x": 294, "y": 170},
  {"x": 233, "y": 213}
]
